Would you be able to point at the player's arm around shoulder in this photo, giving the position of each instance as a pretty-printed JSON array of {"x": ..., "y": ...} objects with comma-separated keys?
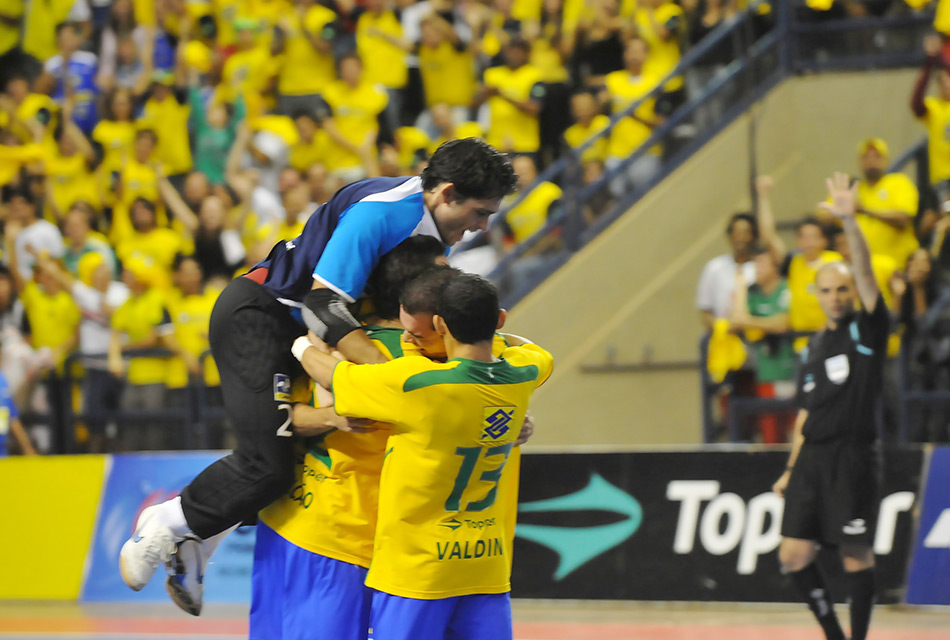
[
  {"x": 528, "y": 354},
  {"x": 376, "y": 391}
]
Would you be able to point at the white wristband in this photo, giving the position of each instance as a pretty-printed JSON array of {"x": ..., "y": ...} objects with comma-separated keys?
[{"x": 300, "y": 345}]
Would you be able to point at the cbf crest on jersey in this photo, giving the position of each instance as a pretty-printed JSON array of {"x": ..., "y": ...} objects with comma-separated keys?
[{"x": 496, "y": 423}]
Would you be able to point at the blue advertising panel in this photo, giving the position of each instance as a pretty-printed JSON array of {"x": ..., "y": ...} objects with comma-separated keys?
[
  {"x": 137, "y": 481},
  {"x": 929, "y": 579}
]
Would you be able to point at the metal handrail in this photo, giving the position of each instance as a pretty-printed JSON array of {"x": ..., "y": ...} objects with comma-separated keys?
[
  {"x": 196, "y": 413},
  {"x": 687, "y": 62},
  {"x": 781, "y": 38},
  {"x": 573, "y": 155},
  {"x": 859, "y": 24}
]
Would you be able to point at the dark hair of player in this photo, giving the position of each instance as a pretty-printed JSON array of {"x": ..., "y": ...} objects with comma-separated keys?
[
  {"x": 748, "y": 217},
  {"x": 410, "y": 259},
  {"x": 422, "y": 294},
  {"x": 469, "y": 306},
  {"x": 476, "y": 169}
]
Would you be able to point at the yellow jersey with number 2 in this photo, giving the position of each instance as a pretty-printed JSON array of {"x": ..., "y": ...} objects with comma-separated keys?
[
  {"x": 331, "y": 507},
  {"x": 445, "y": 520}
]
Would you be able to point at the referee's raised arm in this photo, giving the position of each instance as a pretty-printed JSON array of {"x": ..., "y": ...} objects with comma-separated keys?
[{"x": 843, "y": 206}]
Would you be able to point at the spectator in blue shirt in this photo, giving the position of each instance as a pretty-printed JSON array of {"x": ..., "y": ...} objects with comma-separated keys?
[
  {"x": 72, "y": 74},
  {"x": 10, "y": 423}
]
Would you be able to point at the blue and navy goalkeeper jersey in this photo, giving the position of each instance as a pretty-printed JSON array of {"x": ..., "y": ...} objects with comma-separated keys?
[{"x": 344, "y": 239}]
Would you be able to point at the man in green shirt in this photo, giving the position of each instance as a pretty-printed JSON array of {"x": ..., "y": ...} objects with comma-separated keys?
[{"x": 761, "y": 310}]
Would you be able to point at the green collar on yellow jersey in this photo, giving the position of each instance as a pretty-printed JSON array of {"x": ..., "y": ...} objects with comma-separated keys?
[
  {"x": 389, "y": 337},
  {"x": 473, "y": 372}
]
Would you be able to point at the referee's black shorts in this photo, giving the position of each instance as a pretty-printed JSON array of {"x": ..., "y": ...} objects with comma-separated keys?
[
  {"x": 833, "y": 494},
  {"x": 251, "y": 335}
]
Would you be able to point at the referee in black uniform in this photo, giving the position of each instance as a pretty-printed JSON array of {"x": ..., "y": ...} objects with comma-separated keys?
[{"x": 831, "y": 482}]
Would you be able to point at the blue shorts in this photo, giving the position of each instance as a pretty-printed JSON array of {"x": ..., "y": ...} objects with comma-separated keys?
[
  {"x": 296, "y": 594},
  {"x": 476, "y": 617}
]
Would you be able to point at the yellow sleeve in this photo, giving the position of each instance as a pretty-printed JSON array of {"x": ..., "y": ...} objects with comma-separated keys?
[
  {"x": 331, "y": 95},
  {"x": 317, "y": 18},
  {"x": 144, "y": 12},
  {"x": 119, "y": 318},
  {"x": 374, "y": 391},
  {"x": 551, "y": 191},
  {"x": 905, "y": 195},
  {"x": 380, "y": 101},
  {"x": 929, "y": 107},
  {"x": 491, "y": 79},
  {"x": 28, "y": 295},
  {"x": 611, "y": 80},
  {"x": 531, "y": 354},
  {"x": 667, "y": 12}
]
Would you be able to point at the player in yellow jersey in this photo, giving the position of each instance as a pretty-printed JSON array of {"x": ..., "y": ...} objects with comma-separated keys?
[
  {"x": 887, "y": 204},
  {"x": 442, "y": 555},
  {"x": 353, "y": 125},
  {"x": 934, "y": 113},
  {"x": 588, "y": 122},
  {"x": 189, "y": 306},
  {"x": 313, "y": 144},
  {"x": 514, "y": 94},
  {"x": 324, "y": 525},
  {"x": 623, "y": 89},
  {"x": 327, "y": 520},
  {"x": 447, "y": 67},
  {"x": 799, "y": 267},
  {"x": 305, "y": 53}
]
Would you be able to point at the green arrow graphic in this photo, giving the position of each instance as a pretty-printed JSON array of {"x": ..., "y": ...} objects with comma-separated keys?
[
  {"x": 452, "y": 524},
  {"x": 576, "y": 546}
]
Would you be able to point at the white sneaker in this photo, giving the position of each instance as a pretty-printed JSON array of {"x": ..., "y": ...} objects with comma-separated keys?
[
  {"x": 150, "y": 545},
  {"x": 186, "y": 573}
]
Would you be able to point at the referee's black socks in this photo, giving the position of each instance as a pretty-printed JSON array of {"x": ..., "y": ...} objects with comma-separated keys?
[
  {"x": 862, "y": 601},
  {"x": 811, "y": 586}
]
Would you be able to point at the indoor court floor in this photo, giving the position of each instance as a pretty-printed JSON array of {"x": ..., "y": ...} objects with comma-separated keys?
[{"x": 534, "y": 620}]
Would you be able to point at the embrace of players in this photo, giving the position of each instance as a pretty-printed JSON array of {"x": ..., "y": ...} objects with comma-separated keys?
[
  {"x": 405, "y": 529},
  {"x": 392, "y": 512},
  {"x": 831, "y": 483}
]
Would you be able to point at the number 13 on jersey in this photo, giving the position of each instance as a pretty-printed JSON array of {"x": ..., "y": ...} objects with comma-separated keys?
[{"x": 470, "y": 457}]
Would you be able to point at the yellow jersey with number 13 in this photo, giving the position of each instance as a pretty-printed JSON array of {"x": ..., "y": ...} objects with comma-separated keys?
[
  {"x": 331, "y": 507},
  {"x": 445, "y": 519}
]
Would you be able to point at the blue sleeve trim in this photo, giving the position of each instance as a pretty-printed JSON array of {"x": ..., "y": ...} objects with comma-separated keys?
[{"x": 856, "y": 336}]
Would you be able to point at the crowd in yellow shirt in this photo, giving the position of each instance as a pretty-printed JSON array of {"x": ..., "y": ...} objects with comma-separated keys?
[{"x": 257, "y": 110}]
